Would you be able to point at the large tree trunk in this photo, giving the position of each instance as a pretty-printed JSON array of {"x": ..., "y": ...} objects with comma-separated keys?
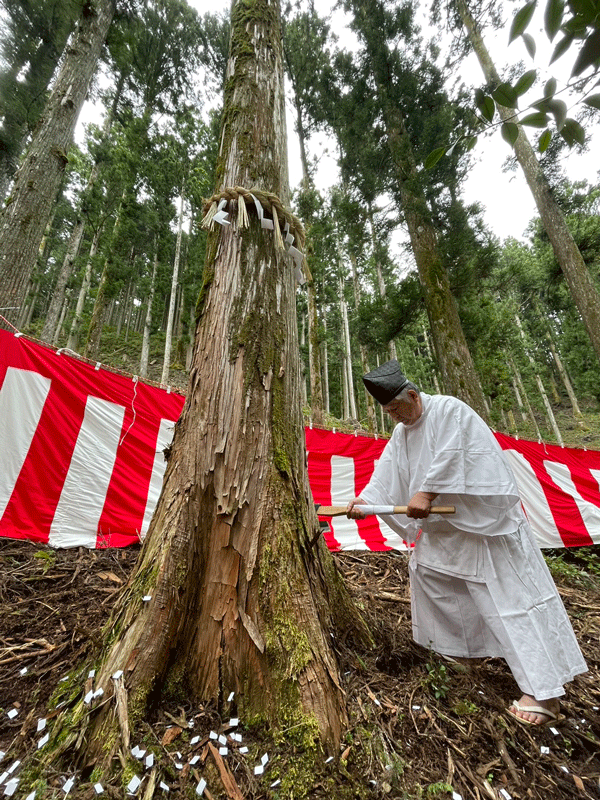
[
  {"x": 23, "y": 220},
  {"x": 244, "y": 594},
  {"x": 174, "y": 280},
  {"x": 583, "y": 290}
]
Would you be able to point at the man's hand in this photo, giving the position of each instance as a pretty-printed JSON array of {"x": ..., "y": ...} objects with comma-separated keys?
[
  {"x": 353, "y": 511},
  {"x": 419, "y": 506}
]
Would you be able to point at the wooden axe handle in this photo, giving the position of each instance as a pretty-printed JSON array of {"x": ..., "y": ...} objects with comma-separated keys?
[{"x": 338, "y": 511}]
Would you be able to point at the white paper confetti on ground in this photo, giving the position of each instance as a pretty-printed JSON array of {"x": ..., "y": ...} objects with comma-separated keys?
[
  {"x": 194, "y": 760},
  {"x": 275, "y": 783},
  {"x": 213, "y": 735},
  {"x": 201, "y": 787},
  {"x": 13, "y": 767},
  {"x": 23, "y": 671},
  {"x": 243, "y": 750},
  {"x": 44, "y": 740},
  {"x": 31, "y": 796},
  {"x": 162, "y": 785},
  {"x": 564, "y": 769},
  {"x": 41, "y": 724},
  {"x": 12, "y": 713},
  {"x": 98, "y": 788},
  {"x": 264, "y": 759},
  {"x": 11, "y": 787},
  {"x": 194, "y": 740},
  {"x": 116, "y": 675},
  {"x": 231, "y": 696},
  {"x": 544, "y": 750},
  {"x": 416, "y": 708},
  {"x": 222, "y": 739},
  {"x": 149, "y": 760},
  {"x": 223, "y": 751},
  {"x": 91, "y": 674},
  {"x": 99, "y": 692},
  {"x": 2, "y": 754},
  {"x": 146, "y": 598},
  {"x": 327, "y": 760},
  {"x": 88, "y": 697},
  {"x": 504, "y": 794},
  {"x": 456, "y": 796},
  {"x": 554, "y": 731},
  {"x": 178, "y": 765},
  {"x": 3, "y": 777},
  {"x": 68, "y": 785},
  {"x": 259, "y": 769},
  {"x": 234, "y": 722},
  {"x": 237, "y": 737},
  {"x": 133, "y": 785}
]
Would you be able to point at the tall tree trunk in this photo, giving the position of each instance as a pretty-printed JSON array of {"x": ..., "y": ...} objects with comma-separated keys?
[
  {"x": 244, "y": 595},
  {"x": 523, "y": 397},
  {"x": 164, "y": 378},
  {"x": 23, "y": 220},
  {"x": 73, "y": 340},
  {"x": 148, "y": 319},
  {"x": 459, "y": 376},
  {"x": 377, "y": 261},
  {"x": 583, "y": 290},
  {"x": 347, "y": 352}
]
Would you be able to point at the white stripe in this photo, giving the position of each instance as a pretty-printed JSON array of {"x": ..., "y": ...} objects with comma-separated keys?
[
  {"x": 342, "y": 490},
  {"x": 83, "y": 494},
  {"x": 22, "y": 399},
  {"x": 534, "y": 501},
  {"x": 165, "y": 437},
  {"x": 590, "y": 513}
]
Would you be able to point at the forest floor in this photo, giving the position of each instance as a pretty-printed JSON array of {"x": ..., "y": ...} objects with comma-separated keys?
[{"x": 420, "y": 726}]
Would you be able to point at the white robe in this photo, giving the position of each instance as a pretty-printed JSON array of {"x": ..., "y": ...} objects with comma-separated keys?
[{"x": 479, "y": 584}]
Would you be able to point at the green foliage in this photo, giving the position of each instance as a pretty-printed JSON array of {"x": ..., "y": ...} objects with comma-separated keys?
[{"x": 437, "y": 679}]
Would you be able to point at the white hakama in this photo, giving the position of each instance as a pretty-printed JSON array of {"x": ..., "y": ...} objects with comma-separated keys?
[{"x": 479, "y": 584}]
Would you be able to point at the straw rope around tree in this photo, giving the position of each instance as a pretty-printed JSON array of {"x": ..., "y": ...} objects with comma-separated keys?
[{"x": 287, "y": 228}]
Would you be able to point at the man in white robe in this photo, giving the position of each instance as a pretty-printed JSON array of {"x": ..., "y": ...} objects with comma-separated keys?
[{"x": 479, "y": 584}]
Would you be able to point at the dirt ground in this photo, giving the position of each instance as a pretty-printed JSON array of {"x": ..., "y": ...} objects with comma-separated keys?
[{"x": 421, "y": 726}]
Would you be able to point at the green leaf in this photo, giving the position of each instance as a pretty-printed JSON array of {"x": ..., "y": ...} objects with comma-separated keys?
[
  {"x": 562, "y": 47},
  {"x": 573, "y": 133},
  {"x": 559, "y": 110},
  {"x": 510, "y": 132},
  {"x": 521, "y": 20},
  {"x": 525, "y": 82},
  {"x": 553, "y": 17},
  {"x": 486, "y": 106},
  {"x": 592, "y": 100},
  {"x": 471, "y": 142},
  {"x": 433, "y": 157},
  {"x": 536, "y": 120},
  {"x": 505, "y": 95},
  {"x": 544, "y": 141},
  {"x": 588, "y": 55},
  {"x": 550, "y": 87},
  {"x": 530, "y": 45}
]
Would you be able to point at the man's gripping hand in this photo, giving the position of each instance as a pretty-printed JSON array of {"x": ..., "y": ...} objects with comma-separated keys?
[
  {"x": 353, "y": 511},
  {"x": 419, "y": 506}
]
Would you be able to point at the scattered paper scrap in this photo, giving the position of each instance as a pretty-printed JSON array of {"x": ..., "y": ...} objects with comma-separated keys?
[
  {"x": 41, "y": 724},
  {"x": 231, "y": 696},
  {"x": 11, "y": 787},
  {"x": 23, "y": 671},
  {"x": 149, "y": 762},
  {"x": 564, "y": 769},
  {"x": 65, "y": 678},
  {"x": 133, "y": 785},
  {"x": 194, "y": 740},
  {"x": 88, "y": 697},
  {"x": 258, "y": 770},
  {"x": 544, "y": 750},
  {"x": 68, "y": 785},
  {"x": 237, "y": 737},
  {"x": 201, "y": 787},
  {"x": 327, "y": 760},
  {"x": 234, "y": 722},
  {"x": 213, "y": 735},
  {"x": 99, "y": 692},
  {"x": 194, "y": 760},
  {"x": 504, "y": 794},
  {"x": 222, "y": 739},
  {"x": 162, "y": 785},
  {"x": 275, "y": 783},
  {"x": 91, "y": 674},
  {"x": 146, "y": 598},
  {"x": 178, "y": 765},
  {"x": 44, "y": 740},
  {"x": 223, "y": 751},
  {"x": 264, "y": 759},
  {"x": 554, "y": 731},
  {"x": 2, "y": 753},
  {"x": 116, "y": 675},
  {"x": 31, "y": 796},
  {"x": 456, "y": 796},
  {"x": 243, "y": 750},
  {"x": 98, "y": 788},
  {"x": 12, "y": 713},
  {"x": 13, "y": 767},
  {"x": 416, "y": 708}
]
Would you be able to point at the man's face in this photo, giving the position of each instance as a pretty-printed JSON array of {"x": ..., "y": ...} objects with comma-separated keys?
[{"x": 406, "y": 411}]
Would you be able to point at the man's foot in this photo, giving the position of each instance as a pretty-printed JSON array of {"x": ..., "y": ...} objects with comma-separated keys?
[{"x": 530, "y": 711}]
